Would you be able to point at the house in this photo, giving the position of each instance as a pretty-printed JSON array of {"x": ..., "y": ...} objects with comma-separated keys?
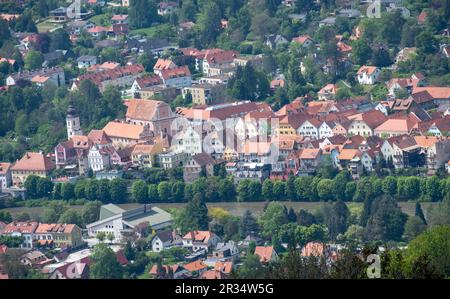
[
  {"x": 144, "y": 82},
  {"x": 75, "y": 27},
  {"x": 364, "y": 124},
  {"x": 310, "y": 159},
  {"x": 121, "y": 76},
  {"x": 125, "y": 134},
  {"x": 54, "y": 75},
  {"x": 197, "y": 164},
  {"x": 304, "y": 40},
  {"x": 98, "y": 31},
  {"x": 165, "y": 239},
  {"x": 196, "y": 268},
  {"x": 200, "y": 240},
  {"x": 310, "y": 128},
  {"x": 328, "y": 92},
  {"x": 109, "y": 174},
  {"x": 176, "y": 77},
  {"x": 248, "y": 171},
  {"x": 211, "y": 274},
  {"x": 99, "y": 158},
  {"x": 165, "y": 8},
  {"x": 274, "y": 41},
  {"x": 156, "y": 115},
  {"x": 59, "y": 15},
  {"x": 225, "y": 251},
  {"x": 117, "y": 221},
  {"x": 31, "y": 164},
  {"x": 394, "y": 127},
  {"x": 224, "y": 267},
  {"x": 266, "y": 254},
  {"x": 405, "y": 84},
  {"x": 163, "y": 64},
  {"x": 439, "y": 94},
  {"x": 215, "y": 59},
  {"x": 74, "y": 270},
  {"x": 435, "y": 149},
  {"x": 119, "y": 19},
  {"x": 350, "y": 159},
  {"x": 368, "y": 75},
  {"x": 35, "y": 259},
  {"x": 73, "y": 152},
  {"x": 172, "y": 272},
  {"x": 21, "y": 229},
  {"x": 205, "y": 94},
  {"x": 403, "y": 151},
  {"x": 143, "y": 155},
  {"x": 171, "y": 159},
  {"x": 5, "y": 175},
  {"x": 86, "y": 61},
  {"x": 156, "y": 46},
  {"x": 60, "y": 235}
]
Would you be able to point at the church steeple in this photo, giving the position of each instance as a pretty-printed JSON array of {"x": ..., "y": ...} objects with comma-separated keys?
[{"x": 72, "y": 122}]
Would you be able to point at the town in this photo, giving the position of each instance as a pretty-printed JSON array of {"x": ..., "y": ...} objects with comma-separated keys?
[{"x": 216, "y": 139}]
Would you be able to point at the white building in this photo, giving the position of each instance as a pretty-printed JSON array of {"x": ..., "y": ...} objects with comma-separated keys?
[
  {"x": 98, "y": 158},
  {"x": 5, "y": 175},
  {"x": 86, "y": 61},
  {"x": 165, "y": 239},
  {"x": 368, "y": 75},
  {"x": 309, "y": 128},
  {"x": 115, "y": 220}
]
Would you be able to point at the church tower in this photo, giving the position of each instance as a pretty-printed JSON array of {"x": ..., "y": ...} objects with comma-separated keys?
[{"x": 73, "y": 123}]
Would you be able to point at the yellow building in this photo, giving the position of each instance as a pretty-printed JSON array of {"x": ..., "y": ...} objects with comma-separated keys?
[
  {"x": 205, "y": 94},
  {"x": 144, "y": 154},
  {"x": 61, "y": 235},
  {"x": 31, "y": 164}
]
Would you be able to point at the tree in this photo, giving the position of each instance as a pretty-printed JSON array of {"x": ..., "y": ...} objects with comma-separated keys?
[
  {"x": 164, "y": 191},
  {"x": 414, "y": 227},
  {"x": 104, "y": 263},
  {"x": 194, "y": 216},
  {"x": 338, "y": 222},
  {"x": 251, "y": 268},
  {"x": 118, "y": 190},
  {"x": 433, "y": 244},
  {"x": 5, "y": 216},
  {"x": 53, "y": 212},
  {"x": 71, "y": 216},
  {"x": 325, "y": 189},
  {"x": 426, "y": 42},
  {"x": 153, "y": 193},
  {"x": 419, "y": 213},
  {"x": 389, "y": 185},
  {"x": 142, "y": 13},
  {"x": 129, "y": 251},
  {"x": 91, "y": 212},
  {"x": 386, "y": 221},
  {"x": 101, "y": 236},
  {"x": 91, "y": 189},
  {"x": 248, "y": 225},
  {"x": 290, "y": 188},
  {"x": 380, "y": 57},
  {"x": 432, "y": 190},
  {"x": 361, "y": 51},
  {"x": 227, "y": 191},
  {"x": 209, "y": 23},
  {"x": 33, "y": 60},
  {"x": 30, "y": 186},
  {"x": 272, "y": 219},
  {"x": 60, "y": 40},
  {"x": 139, "y": 191},
  {"x": 103, "y": 190},
  {"x": 267, "y": 189},
  {"x": 68, "y": 191},
  {"x": 279, "y": 190}
]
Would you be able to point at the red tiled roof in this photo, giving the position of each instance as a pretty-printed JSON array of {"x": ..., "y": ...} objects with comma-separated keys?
[
  {"x": 112, "y": 74},
  {"x": 182, "y": 71},
  {"x": 264, "y": 252},
  {"x": 34, "y": 161}
]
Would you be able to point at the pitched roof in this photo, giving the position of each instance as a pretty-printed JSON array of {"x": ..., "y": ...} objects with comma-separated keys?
[
  {"x": 310, "y": 153},
  {"x": 395, "y": 125},
  {"x": 221, "y": 57},
  {"x": 123, "y": 130},
  {"x": 224, "y": 267},
  {"x": 34, "y": 161},
  {"x": 264, "y": 252},
  {"x": 302, "y": 39},
  {"x": 426, "y": 141},
  {"x": 349, "y": 154},
  {"x": 142, "y": 149},
  {"x": 54, "y": 228},
  {"x": 98, "y": 137},
  {"x": 4, "y": 167},
  {"x": 143, "y": 109},
  {"x": 21, "y": 227},
  {"x": 163, "y": 64},
  {"x": 149, "y": 80},
  {"x": 182, "y": 71},
  {"x": 436, "y": 92},
  {"x": 203, "y": 159},
  {"x": 195, "y": 266},
  {"x": 199, "y": 236},
  {"x": 211, "y": 274},
  {"x": 367, "y": 69},
  {"x": 112, "y": 74},
  {"x": 372, "y": 118}
]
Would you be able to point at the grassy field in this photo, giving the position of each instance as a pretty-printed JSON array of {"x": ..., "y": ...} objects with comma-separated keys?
[
  {"x": 167, "y": 31},
  {"x": 47, "y": 26},
  {"x": 101, "y": 20},
  {"x": 237, "y": 208}
]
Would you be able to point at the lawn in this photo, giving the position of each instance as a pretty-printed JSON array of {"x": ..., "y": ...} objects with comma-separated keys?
[
  {"x": 167, "y": 31},
  {"x": 47, "y": 26},
  {"x": 101, "y": 20}
]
